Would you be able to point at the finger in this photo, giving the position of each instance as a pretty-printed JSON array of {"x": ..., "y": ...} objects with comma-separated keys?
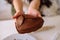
[{"x": 39, "y": 14}]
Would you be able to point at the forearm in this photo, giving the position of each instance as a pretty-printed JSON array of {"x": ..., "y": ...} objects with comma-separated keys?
[
  {"x": 34, "y": 4},
  {"x": 18, "y": 5}
]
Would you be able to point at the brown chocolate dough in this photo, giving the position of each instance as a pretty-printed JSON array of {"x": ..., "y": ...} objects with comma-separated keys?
[{"x": 28, "y": 24}]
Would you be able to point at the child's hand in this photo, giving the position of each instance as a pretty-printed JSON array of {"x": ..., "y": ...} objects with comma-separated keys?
[
  {"x": 17, "y": 14},
  {"x": 34, "y": 12}
]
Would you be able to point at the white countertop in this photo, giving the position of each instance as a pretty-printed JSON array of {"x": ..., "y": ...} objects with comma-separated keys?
[{"x": 49, "y": 31}]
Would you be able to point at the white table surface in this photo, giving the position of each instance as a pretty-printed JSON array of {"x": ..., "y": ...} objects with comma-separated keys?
[{"x": 49, "y": 31}]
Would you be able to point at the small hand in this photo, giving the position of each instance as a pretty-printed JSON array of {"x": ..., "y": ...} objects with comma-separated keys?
[
  {"x": 34, "y": 12},
  {"x": 17, "y": 14}
]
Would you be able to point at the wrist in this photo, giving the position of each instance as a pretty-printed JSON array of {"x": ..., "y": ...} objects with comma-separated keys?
[
  {"x": 31, "y": 9},
  {"x": 35, "y": 4},
  {"x": 19, "y": 11}
]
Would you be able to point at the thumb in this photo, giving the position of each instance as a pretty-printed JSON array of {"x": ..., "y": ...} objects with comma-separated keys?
[{"x": 16, "y": 15}]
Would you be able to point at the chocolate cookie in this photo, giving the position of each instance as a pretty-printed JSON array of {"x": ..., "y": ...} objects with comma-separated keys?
[{"x": 28, "y": 24}]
